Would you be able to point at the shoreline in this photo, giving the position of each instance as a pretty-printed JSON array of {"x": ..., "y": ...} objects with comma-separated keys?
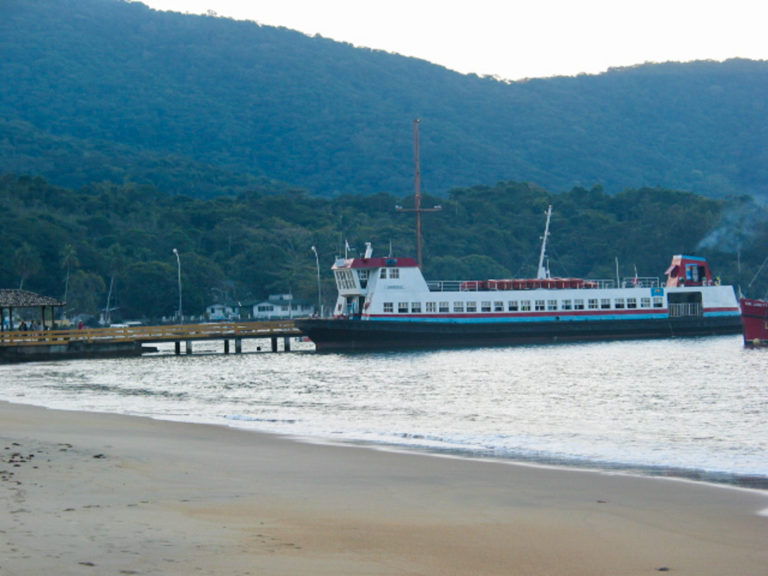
[
  {"x": 745, "y": 481},
  {"x": 756, "y": 482},
  {"x": 87, "y": 492}
]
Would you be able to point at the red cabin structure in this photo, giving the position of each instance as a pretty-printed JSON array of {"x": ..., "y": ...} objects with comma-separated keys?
[{"x": 688, "y": 271}]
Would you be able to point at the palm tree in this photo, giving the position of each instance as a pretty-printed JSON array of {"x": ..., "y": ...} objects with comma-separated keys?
[
  {"x": 116, "y": 265},
  {"x": 26, "y": 262},
  {"x": 68, "y": 259}
]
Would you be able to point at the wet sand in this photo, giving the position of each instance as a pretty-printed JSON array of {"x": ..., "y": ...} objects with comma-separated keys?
[{"x": 84, "y": 493}]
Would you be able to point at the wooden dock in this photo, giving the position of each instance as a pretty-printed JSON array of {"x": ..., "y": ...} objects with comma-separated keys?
[{"x": 20, "y": 346}]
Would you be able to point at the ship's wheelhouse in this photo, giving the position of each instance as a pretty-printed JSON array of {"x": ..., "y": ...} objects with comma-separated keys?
[
  {"x": 358, "y": 278},
  {"x": 688, "y": 271}
]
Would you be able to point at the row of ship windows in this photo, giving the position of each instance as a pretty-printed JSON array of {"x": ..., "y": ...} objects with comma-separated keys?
[
  {"x": 345, "y": 279},
  {"x": 526, "y": 305}
]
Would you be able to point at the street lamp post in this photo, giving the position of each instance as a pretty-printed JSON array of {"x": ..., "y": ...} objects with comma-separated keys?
[
  {"x": 319, "y": 294},
  {"x": 178, "y": 266}
]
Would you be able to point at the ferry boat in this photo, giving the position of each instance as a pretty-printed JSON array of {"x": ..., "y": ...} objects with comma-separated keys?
[
  {"x": 386, "y": 303},
  {"x": 754, "y": 318}
]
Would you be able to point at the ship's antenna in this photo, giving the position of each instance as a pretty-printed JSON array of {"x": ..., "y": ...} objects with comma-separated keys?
[
  {"x": 544, "y": 272},
  {"x": 757, "y": 273},
  {"x": 417, "y": 192}
]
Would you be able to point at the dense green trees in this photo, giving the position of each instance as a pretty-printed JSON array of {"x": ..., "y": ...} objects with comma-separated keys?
[
  {"x": 108, "y": 242},
  {"x": 96, "y": 90}
]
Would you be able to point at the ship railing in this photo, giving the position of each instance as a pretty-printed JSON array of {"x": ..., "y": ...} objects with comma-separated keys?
[
  {"x": 445, "y": 285},
  {"x": 480, "y": 285},
  {"x": 628, "y": 282},
  {"x": 640, "y": 282}
]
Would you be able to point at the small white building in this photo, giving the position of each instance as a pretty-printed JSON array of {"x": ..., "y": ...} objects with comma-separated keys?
[
  {"x": 223, "y": 311},
  {"x": 282, "y": 307}
]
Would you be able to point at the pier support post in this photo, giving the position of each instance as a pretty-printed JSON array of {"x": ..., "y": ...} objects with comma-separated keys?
[
  {"x": 189, "y": 346},
  {"x": 274, "y": 343},
  {"x": 177, "y": 347},
  {"x": 287, "y": 343},
  {"x": 238, "y": 345},
  {"x": 226, "y": 346}
]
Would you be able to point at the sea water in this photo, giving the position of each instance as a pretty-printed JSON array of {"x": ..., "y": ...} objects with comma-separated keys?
[{"x": 693, "y": 407}]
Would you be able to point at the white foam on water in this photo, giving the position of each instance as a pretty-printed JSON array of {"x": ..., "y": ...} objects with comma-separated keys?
[{"x": 693, "y": 407}]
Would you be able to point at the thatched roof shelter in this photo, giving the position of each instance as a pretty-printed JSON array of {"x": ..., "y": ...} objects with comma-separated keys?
[
  {"x": 10, "y": 299},
  {"x": 25, "y": 299}
]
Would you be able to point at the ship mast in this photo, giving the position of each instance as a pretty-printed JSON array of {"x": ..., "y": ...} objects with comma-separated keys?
[
  {"x": 544, "y": 272},
  {"x": 417, "y": 187},
  {"x": 417, "y": 192}
]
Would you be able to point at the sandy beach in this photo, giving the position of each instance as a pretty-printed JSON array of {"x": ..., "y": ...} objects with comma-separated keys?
[{"x": 84, "y": 493}]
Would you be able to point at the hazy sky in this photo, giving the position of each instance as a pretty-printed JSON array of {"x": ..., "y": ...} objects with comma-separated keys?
[{"x": 516, "y": 39}]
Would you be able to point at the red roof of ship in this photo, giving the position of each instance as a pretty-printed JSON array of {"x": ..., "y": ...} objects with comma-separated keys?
[{"x": 382, "y": 262}]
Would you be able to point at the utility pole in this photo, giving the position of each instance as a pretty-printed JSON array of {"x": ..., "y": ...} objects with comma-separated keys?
[
  {"x": 178, "y": 266},
  {"x": 319, "y": 294}
]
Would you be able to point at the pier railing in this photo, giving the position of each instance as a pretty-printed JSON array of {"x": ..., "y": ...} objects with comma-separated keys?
[{"x": 151, "y": 334}]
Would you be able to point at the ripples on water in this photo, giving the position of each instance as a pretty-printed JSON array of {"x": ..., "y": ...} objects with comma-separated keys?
[{"x": 690, "y": 407}]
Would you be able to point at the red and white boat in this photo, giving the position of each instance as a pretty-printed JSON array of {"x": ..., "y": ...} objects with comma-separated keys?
[{"x": 754, "y": 319}]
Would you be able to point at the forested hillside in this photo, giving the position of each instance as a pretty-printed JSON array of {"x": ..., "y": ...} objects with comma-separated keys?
[
  {"x": 96, "y": 90},
  {"x": 74, "y": 244}
]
